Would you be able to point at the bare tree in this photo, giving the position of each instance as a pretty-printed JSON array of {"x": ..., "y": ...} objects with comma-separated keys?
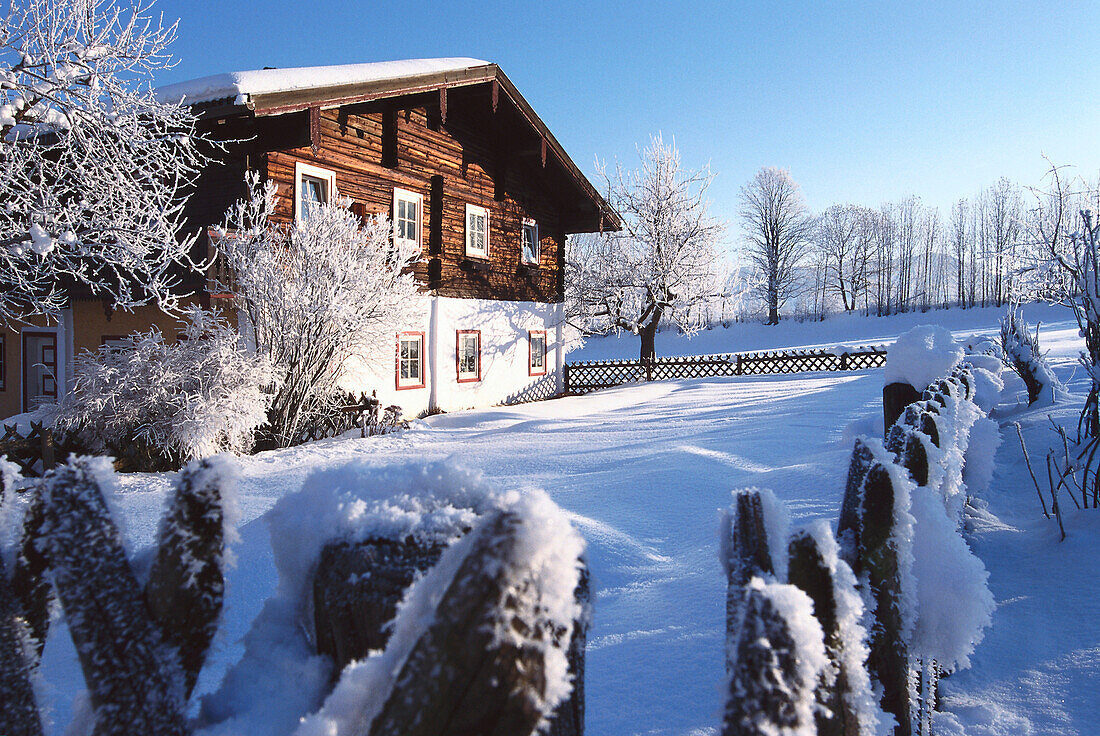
[
  {"x": 664, "y": 261},
  {"x": 843, "y": 237},
  {"x": 778, "y": 229},
  {"x": 313, "y": 296},
  {"x": 91, "y": 163},
  {"x": 959, "y": 236}
]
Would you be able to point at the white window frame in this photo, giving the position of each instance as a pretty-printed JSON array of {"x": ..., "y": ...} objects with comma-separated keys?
[
  {"x": 316, "y": 172},
  {"x": 460, "y": 337},
  {"x": 418, "y": 382},
  {"x": 529, "y": 223},
  {"x": 404, "y": 195},
  {"x": 473, "y": 209}
]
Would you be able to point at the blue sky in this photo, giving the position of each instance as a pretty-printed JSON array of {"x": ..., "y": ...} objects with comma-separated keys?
[{"x": 862, "y": 102}]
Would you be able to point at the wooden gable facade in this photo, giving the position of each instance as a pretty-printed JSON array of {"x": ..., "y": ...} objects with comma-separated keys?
[{"x": 452, "y": 140}]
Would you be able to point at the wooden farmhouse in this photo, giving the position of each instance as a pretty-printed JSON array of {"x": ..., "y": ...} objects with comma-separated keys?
[{"x": 461, "y": 163}]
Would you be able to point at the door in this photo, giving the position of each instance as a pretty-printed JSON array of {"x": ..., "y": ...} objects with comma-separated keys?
[{"x": 39, "y": 369}]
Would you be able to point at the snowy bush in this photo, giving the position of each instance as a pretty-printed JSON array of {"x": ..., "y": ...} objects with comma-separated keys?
[
  {"x": 1021, "y": 353},
  {"x": 313, "y": 296},
  {"x": 206, "y": 393}
]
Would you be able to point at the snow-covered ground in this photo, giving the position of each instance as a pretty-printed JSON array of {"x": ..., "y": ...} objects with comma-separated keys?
[{"x": 644, "y": 470}]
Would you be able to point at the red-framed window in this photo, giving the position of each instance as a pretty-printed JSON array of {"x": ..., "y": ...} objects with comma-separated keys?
[
  {"x": 536, "y": 353},
  {"x": 409, "y": 371},
  {"x": 468, "y": 355}
]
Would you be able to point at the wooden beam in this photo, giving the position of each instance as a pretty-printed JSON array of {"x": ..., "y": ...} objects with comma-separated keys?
[
  {"x": 315, "y": 129},
  {"x": 544, "y": 153},
  {"x": 443, "y": 105},
  {"x": 389, "y": 138},
  {"x": 496, "y": 94}
]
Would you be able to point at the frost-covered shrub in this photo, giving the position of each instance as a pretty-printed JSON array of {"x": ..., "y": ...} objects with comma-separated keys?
[
  {"x": 1021, "y": 353},
  {"x": 204, "y": 394},
  {"x": 315, "y": 297}
]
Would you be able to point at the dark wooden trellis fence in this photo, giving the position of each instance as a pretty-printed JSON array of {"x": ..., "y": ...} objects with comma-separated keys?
[
  {"x": 581, "y": 378},
  {"x": 34, "y": 452}
]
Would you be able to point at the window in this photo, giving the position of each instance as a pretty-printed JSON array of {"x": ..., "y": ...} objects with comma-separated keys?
[
  {"x": 410, "y": 360},
  {"x": 536, "y": 349},
  {"x": 530, "y": 242},
  {"x": 407, "y": 209},
  {"x": 477, "y": 231},
  {"x": 3, "y": 362},
  {"x": 313, "y": 187},
  {"x": 468, "y": 356},
  {"x": 114, "y": 342}
]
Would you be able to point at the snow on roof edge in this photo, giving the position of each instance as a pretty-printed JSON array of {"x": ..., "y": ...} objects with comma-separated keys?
[{"x": 269, "y": 81}]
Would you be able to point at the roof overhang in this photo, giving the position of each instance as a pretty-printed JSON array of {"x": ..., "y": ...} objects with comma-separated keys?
[{"x": 263, "y": 104}]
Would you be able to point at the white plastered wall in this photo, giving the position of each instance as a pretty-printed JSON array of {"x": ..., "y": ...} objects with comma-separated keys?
[{"x": 504, "y": 328}]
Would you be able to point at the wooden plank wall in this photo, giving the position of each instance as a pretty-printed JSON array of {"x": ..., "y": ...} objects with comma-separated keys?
[{"x": 463, "y": 153}]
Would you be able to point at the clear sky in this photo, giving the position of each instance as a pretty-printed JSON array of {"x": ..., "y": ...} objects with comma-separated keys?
[{"x": 861, "y": 102}]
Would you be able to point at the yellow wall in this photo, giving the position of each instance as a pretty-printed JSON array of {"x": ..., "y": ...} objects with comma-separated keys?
[{"x": 90, "y": 325}]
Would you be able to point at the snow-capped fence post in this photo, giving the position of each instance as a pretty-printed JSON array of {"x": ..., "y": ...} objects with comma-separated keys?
[
  {"x": 895, "y": 397},
  {"x": 889, "y": 655},
  {"x": 134, "y": 688},
  {"x": 809, "y": 570},
  {"x": 568, "y": 717},
  {"x": 746, "y": 553},
  {"x": 480, "y": 666},
  {"x": 186, "y": 584},
  {"x": 777, "y": 658},
  {"x": 18, "y": 709},
  {"x": 358, "y": 586},
  {"x": 32, "y": 591}
]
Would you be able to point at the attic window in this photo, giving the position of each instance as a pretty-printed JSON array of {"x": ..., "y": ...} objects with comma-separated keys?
[{"x": 313, "y": 187}]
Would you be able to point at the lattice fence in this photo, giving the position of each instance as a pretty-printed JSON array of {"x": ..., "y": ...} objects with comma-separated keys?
[
  {"x": 34, "y": 452},
  {"x": 581, "y": 378}
]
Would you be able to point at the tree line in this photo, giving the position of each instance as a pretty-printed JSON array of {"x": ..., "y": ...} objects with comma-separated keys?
[{"x": 666, "y": 266}]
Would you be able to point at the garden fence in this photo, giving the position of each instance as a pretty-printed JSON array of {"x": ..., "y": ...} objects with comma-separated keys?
[{"x": 583, "y": 377}]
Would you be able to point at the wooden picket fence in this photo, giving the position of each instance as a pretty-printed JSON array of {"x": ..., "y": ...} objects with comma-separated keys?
[
  {"x": 586, "y": 376},
  {"x": 865, "y": 533}
]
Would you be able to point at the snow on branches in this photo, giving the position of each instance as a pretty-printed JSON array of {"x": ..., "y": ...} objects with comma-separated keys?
[
  {"x": 91, "y": 164},
  {"x": 663, "y": 262},
  {"x": 204, "y": 394},
  {"x": 314, "y": 295}
]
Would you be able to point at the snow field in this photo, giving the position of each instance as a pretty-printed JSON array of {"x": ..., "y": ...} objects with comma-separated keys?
[{"x": 642, "y": 472}]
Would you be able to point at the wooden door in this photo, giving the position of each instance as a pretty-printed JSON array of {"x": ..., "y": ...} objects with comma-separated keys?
[{"x": 39, "y": 369}]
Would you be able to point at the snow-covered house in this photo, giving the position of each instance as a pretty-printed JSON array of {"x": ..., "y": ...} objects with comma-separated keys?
[{"x": 458, "y": 159}]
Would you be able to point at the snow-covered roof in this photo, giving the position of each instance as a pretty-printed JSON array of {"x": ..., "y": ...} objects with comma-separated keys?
[{"x": 241, "y": 85}]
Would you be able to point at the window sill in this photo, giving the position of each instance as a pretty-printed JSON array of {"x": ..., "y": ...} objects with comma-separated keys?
[{"x": 475, "y": 263}]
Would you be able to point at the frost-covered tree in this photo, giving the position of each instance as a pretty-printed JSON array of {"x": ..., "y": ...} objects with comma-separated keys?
[
  {"x": 777, "y": 228},
  {"x": 91, "y": 163},
  {"x": 662, "y": 264},
  {"x": 1020, "y": 352},
  {"x": 314, "y": 295},
  {"x": 204, "y": 394}
]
